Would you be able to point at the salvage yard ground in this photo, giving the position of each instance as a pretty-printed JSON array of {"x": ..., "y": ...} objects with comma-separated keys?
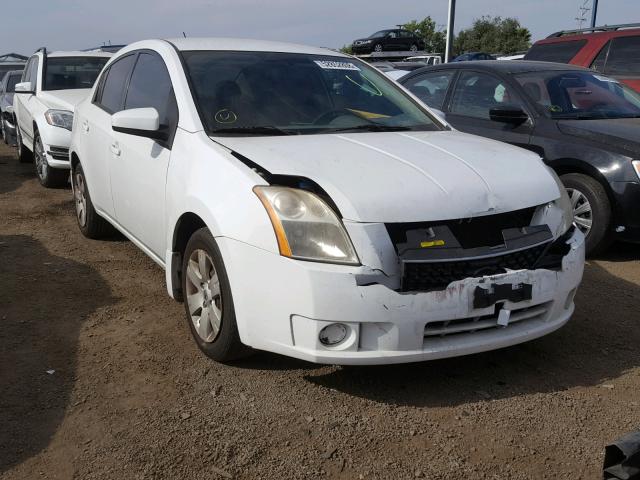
[{"x": 99, "y": 378}]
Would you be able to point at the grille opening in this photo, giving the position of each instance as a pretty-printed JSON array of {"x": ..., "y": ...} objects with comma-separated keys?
[{"x": 485, "y": 231}]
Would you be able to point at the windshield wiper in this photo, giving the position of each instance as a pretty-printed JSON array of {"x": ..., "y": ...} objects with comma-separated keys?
[
  {"x": 265, "y": 130},
  {"x": 371, "y": 128}
]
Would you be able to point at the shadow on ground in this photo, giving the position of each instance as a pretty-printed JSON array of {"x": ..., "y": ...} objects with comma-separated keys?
[
  {"x": 44, "y": 301},
  {"x": 599, "y": 343},
  {"x": 12, "y": 173}
]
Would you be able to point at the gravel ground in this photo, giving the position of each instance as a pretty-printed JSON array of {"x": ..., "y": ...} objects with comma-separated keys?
[{"x": 100, "y": 379}]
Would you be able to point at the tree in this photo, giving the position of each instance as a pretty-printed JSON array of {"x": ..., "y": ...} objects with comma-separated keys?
[
  {"x": 426, "y": 29},
  {"x": 493, "y": 35},
  {"x": 347, "y": 49}
]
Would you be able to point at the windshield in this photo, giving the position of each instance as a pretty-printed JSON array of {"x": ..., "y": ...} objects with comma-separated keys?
[
  {"x": 64, "y": 73},
  {"x": 380, "y": 34},
  {"x": 262, "y": 93},
  {"x": 580, "y": 95}
]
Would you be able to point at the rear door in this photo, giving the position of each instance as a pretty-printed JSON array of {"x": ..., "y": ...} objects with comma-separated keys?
[
  {"x": 620, "y": 58},
  {"x": 138, "y": 165},
  {"x": 474, "y": 94},
  {"x": 94, "y": 124}
]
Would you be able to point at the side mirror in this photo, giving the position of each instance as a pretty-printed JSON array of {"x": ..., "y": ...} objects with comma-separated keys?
[
  {"x": 142, "y": 122},
  {"x": 24, "y": 87},
  {"x": 513, "y": 115}
]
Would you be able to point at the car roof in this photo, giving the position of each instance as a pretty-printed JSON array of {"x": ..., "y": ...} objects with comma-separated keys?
[
  {"x": 508, "y": 67},
  {"x": 248, "y": 45},
  {"x": 570, "y": 37},
  {"x": 78, "y": 53}
]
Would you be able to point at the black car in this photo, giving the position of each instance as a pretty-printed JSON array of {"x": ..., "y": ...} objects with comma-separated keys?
[
  {"x": 584, "y": 125},
  {"x": 393, "y": 40},
  {"x": 473, "y": 56}
]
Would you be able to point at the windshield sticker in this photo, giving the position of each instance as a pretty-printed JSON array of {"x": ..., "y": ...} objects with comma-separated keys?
[
  {"x": 605, "y": 79},
  {"x": 367, "y": 115},
  {"x": 331, "y": 65}
]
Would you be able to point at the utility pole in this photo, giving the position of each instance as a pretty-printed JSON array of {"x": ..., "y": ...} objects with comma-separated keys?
[
  {"x": 450, "y": 26},
  {"x": 594, "y": 13}
]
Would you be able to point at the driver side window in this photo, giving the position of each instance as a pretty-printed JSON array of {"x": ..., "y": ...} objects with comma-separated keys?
[{"x": 476, "y": 93}]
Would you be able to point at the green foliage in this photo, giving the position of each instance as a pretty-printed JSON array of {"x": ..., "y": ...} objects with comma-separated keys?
[
  {"x": 493, "y": 35},
  {"x": 347, "y": 49},
  {"x": 434, "y": 39}
]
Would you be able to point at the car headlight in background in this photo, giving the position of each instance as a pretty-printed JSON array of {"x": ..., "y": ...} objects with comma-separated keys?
[
  {"x": 306, "y": 227},
  {"x": 636, "y": 166},
  {"x": 564, "y": 203},
  {"x": 59, "y": 118}
]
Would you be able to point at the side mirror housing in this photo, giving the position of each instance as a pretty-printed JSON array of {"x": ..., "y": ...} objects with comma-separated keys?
[
  {"x": 24, "y": 87},
  {"x": 512, "y": 115},
  {"x": 142, "y": 122}
]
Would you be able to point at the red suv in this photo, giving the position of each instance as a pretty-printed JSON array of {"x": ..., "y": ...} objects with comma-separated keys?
[{"x": 612, "y": 50}]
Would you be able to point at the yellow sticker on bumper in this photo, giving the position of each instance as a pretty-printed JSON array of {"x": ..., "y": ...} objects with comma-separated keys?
[{"x": 435, "y": 243}]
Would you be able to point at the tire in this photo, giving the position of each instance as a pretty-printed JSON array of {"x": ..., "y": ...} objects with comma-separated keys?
[
  {"x": 377, "y": 47},
  {"x": 3, "y": 131},
  {"x": 413, "y": 48},
  {"x": 90, "y": 223},
  {"x": 590, "y": 202},
  {"x": 205, "y": 287},
  {"x": 47, "y": 176},
  {"x": 24, "y": 154}
]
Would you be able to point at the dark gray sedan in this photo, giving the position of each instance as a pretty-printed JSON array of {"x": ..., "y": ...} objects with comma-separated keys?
[{"x": 7, "y": 118}]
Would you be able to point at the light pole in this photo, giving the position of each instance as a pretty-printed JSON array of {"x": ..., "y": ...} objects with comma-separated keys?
[
  {"x": 450, "y": 23},
  {"x": 594, "y": 13}
]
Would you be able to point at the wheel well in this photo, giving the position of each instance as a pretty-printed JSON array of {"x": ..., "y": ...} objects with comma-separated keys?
[
  {"x": 186, "y": 226},
  {"x": 576, "y": 166},
  {"x": 74, "y": 160}
]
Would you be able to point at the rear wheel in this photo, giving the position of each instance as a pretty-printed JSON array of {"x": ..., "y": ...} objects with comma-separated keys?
[
  {"x": 208, "y": 301},
  {"x": 24, "y": 154},
  {"x": 413, "y": 48},
  {"x": 48, "y": 177},
  {"x": 591, "y": 210},
  {"x": 377, "y": 47},
  {"x": 91, "y": 224}
]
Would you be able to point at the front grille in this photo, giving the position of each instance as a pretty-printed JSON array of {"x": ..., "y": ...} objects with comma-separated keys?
[
  {"x": 59, "y": 153},
  {"x": 474, "y": 324},
  {"x": 428, "y": 276}
]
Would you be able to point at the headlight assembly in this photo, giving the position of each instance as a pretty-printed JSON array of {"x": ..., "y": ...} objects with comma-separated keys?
[
  {"x": 59, "y": 118},
  {"x": 305, "y": 226},
  {"x": 564, "y": 203}
]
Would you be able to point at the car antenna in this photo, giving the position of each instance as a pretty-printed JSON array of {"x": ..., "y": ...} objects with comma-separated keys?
[{"x": 184, "y": 35}]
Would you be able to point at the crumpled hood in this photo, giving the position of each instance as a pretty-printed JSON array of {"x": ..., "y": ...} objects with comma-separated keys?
[
  {"x": 64, "y": 99},
  {"x": 614, "y": 133},
  {"x": 407, "y": 176}
]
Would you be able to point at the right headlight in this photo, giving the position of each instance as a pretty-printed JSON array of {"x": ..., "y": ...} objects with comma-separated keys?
[
  {"x": 305, "y": 226},
  {"x": 564, "y": 203}
]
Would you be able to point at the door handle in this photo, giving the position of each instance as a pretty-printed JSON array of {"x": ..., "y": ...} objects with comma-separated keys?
[
  {"x": 85, "y": 127},
  {"x": 115, "y": 149}
]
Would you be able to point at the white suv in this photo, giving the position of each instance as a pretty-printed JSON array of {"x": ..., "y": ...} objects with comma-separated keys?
[
  {"x": 52, "y": 84},
  {"x": 302, "y": 203}
]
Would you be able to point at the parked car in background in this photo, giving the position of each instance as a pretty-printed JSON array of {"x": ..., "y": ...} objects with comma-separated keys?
[
  {"x": 396, "y": 74},
  {"x": 303, "y": 204},
  {"x": 426, "y": 59},
  {"x": 51, "y": 85},
  {"x": 395, "y": 40},
  {"x": 612, "y": 50},
  {"x": 7, "y": 119},
  {"x": 515, "y": 56},
  {"x": 383, "y": 66},
  {"x": 584, "y": 125},
  {"x": 11, "y": 61},
  {"x": 473, "y": 56}
]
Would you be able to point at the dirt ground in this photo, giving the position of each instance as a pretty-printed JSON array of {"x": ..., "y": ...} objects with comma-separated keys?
[{"x": 99, "y": 378}]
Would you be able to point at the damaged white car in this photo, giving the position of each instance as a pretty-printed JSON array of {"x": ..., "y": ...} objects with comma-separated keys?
[{"x": 304, "y": 204}]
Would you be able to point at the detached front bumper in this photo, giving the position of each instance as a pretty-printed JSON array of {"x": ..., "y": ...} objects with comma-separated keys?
[{"x": 282, "y": 304}]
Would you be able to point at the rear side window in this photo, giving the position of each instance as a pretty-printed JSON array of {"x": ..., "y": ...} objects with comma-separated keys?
[
  {"x": 600, "y": 61},
  {"x": 561, "y": 52},
  {"x": 431, "y": 87},
  {"x": 624, "y": 57},
  {"x": 113, "y": 91},
  {"x": 150, "y": 86}
]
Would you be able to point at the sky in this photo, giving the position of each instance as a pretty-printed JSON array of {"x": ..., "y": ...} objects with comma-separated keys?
[{"x": 79, "y": 24}]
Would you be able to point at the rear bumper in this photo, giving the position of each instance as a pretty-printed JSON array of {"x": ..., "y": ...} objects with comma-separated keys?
[
  {"x": 282, "y": 305},
  {"x": 627, "y": 219}
]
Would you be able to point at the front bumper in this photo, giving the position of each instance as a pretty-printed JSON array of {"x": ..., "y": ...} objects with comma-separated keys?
[
  {"x": 626, "y": 224},
  {"x": 282, "y": 304},
  {"x": 56, "y": 143}
]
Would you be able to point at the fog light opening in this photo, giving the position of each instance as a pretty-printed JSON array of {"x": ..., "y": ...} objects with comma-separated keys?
[
  {"x": 333, "y": 334},
  {"x": 570, "y": 297}
]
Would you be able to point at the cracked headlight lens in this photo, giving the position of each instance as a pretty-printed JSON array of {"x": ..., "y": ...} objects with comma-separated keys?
[{"x": 305, "y": 226}]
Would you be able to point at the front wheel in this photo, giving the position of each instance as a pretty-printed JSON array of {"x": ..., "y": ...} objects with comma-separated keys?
[
  {"x": 591, "y": 210},
  {"x": 47, "y": 176},
  {"x": 208, "y": 301},
  {"x": 377, "y": 48},
  {"x": 413, "y": 48}
]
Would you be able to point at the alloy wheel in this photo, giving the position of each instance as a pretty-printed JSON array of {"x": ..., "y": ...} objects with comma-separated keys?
[
  {"x": 582, "y": 210},
  {"x": 204, "y": 296},
  {"x": 80, "y": 194},
  {"x": 41, "y": 160},
  {"x": 378, "y": 48},
  {"x": 414, "y": 48}
]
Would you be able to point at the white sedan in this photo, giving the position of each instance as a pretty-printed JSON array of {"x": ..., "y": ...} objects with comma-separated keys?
[{"x": 302, "y": 203}]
